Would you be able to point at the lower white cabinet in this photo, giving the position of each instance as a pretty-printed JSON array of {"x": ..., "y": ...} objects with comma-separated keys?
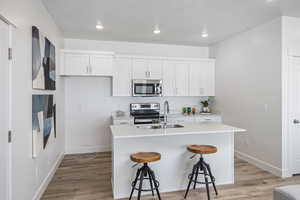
[
  {"x": 122, "y": 76},
  {"x": 86, "y": 63}
]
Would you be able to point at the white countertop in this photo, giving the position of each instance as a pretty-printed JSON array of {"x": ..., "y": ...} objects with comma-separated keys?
[{"x": 129, "y": 131}]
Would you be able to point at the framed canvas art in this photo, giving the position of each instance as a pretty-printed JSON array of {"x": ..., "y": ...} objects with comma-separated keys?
[
  {"x": 43, "y": 62},
  {"x": 43, "y": 120}
]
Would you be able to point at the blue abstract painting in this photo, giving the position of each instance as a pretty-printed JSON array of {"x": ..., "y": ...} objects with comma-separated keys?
[
  {"x": 43, "y": 116},
  {"x": 43, "y": 62}
]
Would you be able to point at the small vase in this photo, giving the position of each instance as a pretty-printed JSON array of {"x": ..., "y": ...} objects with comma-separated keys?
[{"x": 206, "y": 109}]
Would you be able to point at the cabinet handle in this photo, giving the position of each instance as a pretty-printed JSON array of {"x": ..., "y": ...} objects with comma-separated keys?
[
  {"x": 146, "y": 74},
  {"x": 149, "y": 73},
  {"x": 201, "y": 90},
  {"x": 87, "y": 69}
]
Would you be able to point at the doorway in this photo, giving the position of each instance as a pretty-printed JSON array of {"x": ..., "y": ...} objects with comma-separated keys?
[
  {"x": 294, "y": 112},
  {"x": 5, "y": 111}
]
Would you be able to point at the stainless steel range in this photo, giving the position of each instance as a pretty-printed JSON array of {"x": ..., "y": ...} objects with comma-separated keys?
[{"x": 146, "y": 113}]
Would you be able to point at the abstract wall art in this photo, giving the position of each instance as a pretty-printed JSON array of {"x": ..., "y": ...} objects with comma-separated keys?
[
  {"x": 43, "y": 62},
  {"x": 43, "y": 119}
]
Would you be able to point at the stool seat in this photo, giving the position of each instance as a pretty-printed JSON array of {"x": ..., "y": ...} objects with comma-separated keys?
[
  {"x": 202, "y": 149},
  {"x": 145, "y": 157}
]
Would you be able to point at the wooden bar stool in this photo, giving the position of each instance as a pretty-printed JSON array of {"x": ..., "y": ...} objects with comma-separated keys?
[
  {"x": 201, "y": 167},
  {"x": 145, "y": 173}
]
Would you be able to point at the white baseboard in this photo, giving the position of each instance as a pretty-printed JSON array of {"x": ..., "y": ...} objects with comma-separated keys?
[
  {"x": 39, "y": 193},
  {"x": 260, "y": 164},
  {"x": 87, "y": 149}
]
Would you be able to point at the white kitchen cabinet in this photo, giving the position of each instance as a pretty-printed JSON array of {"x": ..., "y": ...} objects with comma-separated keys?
[
  {"x": 86, "y": 63},
  {"x": 122, "y": 76},
  {"x": 76, "y": 64},
  {"x": 175, "y": 78},
  {"x": 101, "y": 65},
  {"x": 202, "y": 78},
  {"x": 182, "y": 79},
  {"x": 144, "y": 68},
  {"x": 169, "y": 73}
]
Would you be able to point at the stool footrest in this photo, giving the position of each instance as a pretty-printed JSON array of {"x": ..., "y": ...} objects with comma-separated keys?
[{"x": 145, "y": 190}]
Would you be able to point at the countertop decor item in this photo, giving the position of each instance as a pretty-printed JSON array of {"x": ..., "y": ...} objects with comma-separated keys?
[{"x": 205, "y": 105}]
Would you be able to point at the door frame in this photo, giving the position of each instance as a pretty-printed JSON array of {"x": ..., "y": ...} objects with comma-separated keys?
[
  {"x": 287, "y": 140},
  {"x": 11, "y": 26}
]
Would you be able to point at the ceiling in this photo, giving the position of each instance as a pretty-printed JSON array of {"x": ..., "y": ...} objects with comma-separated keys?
[{"x": 180, "y": 21}]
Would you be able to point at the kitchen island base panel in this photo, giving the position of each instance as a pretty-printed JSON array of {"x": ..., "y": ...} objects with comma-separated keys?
[{"x": 175, "y": 164}]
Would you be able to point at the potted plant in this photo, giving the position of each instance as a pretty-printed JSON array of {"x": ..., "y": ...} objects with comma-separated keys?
[{"x": 205, "y": 107}]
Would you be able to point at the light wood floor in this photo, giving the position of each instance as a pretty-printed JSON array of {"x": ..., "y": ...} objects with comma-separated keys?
[{"x": 87, "y": 177}]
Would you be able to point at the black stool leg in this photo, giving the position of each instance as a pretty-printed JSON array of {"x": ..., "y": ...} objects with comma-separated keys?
[
  {"x": 206, "y": 181},
  {"x": 155, "y": 184},
  {"x": 196, "y": 178},
  {"x": 141, "y": 182},
  {"x": 190, "y": 181},
  {"x": 150, "y": 180},
  {"x": 134, "y": 182},
  {"x": 211, "y": 177}
]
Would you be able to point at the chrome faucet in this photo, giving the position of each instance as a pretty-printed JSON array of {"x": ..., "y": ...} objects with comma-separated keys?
[{"x": 166, "y": 111}]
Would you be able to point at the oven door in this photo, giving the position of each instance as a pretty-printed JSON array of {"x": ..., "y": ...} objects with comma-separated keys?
[
  {"x": 146, "y": 88},
  {"x": 147, "y": 120}
]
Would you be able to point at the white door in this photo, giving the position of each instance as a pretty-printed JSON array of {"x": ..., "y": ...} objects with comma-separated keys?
[
  {"x": 155, "y": 69},
  {"x": 140, "y": 69},
  {"x": 4, "y": 110},
  {"x": 77, "y": 64},
  {"x": 169, "y": 71},
  {"x": 182, "y": 79},
  {"x": 122, "y": 77},
  {"x": 101, "y": 65},
  {"x": 294, "y": 111}
]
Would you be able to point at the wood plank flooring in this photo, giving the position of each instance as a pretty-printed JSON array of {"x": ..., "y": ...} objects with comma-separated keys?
[{"x": 87, "y": 177}]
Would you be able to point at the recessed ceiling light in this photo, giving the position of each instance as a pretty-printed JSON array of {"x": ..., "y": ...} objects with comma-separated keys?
[
  {"x": 156, "y": 31},
  {"x": 269, "y": 1},
  {"x": 99, "y": 26}
]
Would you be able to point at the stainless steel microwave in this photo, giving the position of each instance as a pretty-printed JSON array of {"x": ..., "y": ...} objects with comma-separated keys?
[{"x": 146, "y": 88}]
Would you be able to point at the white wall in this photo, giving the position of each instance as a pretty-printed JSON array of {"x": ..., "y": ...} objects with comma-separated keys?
[
  {"x": 29, "y": 174},
  {"x": 89, "y": 103},
  {"x": 248, "y": 88}
]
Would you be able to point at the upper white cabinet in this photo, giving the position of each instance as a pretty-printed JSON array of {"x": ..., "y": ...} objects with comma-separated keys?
[
  {"x": 146, "y": 68},
  {"x": 180, "y": 76},
  {"x": 75, "y": 64},
  {"x": 175, "y": 78},
  {"x": 85, "y": 63},
  {"x": 122, "y": 76},
  {"x": 202, "y": 78}
]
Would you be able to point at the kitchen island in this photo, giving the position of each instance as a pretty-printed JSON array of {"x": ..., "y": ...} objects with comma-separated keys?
[{"x": 175, "y": 164}]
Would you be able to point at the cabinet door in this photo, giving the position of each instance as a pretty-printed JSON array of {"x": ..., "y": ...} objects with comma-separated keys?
[
  {"x": 122, "y": 77},
  {"x": 101, "y": 65},
  {"x": 140, "y": 69},
  {"x": 195, "y": 79},
  {"x": 210, "y": 81},
  {"x": 155, "y": 69},
  {"x": 76, "y": 64},
  {"x": 169, "y": 71},
  {"x": 182, "y": 79},
  {"x": 202, "y": 78}
]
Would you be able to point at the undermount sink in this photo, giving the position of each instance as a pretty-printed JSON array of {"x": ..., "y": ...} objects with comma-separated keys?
[{"x": 160, "y": 126}]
